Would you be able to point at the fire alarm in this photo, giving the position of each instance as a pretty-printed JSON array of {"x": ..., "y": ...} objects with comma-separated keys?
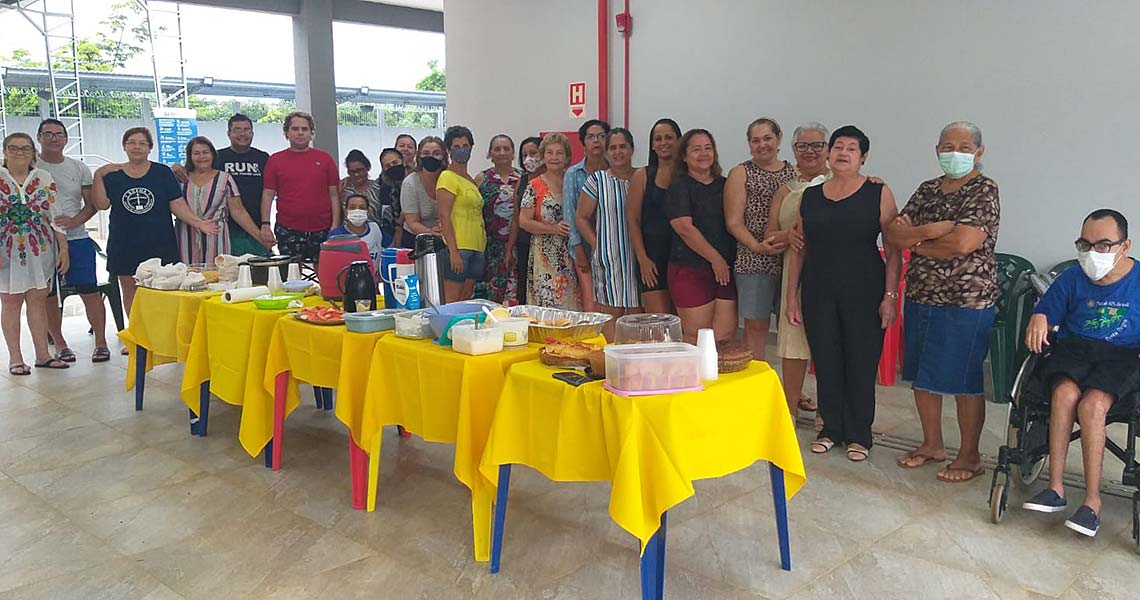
[{"x": 625, "y": 23}]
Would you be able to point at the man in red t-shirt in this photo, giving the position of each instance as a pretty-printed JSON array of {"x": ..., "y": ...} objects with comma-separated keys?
[{"x": 304, "y": 180}]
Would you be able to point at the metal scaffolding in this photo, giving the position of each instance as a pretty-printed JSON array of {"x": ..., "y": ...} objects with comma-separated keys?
[
  {"x": 164, "y": 25},
  {"x": 55, "y": 20}
]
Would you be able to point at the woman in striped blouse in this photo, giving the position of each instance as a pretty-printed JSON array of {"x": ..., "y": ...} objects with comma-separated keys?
[
  {"x": 213, "y": 196},
  {"x": 600, "y": 218}
]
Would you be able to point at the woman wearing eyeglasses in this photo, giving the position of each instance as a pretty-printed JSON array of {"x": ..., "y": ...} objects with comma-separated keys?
[
  {"x": 31, "y": 249},
  {"x": 747, "y": 203},
  {"x": 951, "y": 227},
  {"x": 358, "y": 183}
]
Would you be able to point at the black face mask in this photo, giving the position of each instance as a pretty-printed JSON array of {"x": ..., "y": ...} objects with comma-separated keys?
[
  {"x": 394, "y": 172},
  {"x": 431, "y": 164}
]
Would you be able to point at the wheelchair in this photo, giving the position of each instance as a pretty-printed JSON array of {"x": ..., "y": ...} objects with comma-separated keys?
[{"x": 1023, "y": 457}]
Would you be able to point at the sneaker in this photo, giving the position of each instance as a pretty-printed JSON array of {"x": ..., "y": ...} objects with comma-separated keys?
[
  {"x": 1084, "y": 521},
  {"x": 1046, "y": 501}
]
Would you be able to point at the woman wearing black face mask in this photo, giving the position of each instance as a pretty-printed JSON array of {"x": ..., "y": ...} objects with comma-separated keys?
[
  {"x": 417, "y": 193},
  {"x": 386, "y": 190}
]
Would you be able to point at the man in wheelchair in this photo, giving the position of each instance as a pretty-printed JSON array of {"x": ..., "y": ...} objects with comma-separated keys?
[{"x": 1095, "y": 360}]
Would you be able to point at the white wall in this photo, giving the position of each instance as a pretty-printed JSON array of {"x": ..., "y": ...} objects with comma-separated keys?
[{"x": 1053, "y": 84}]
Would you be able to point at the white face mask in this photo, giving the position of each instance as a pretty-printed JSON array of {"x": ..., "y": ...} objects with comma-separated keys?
[
  {"x": 357, "y": 216},
  {"x": 1097, "y": 264},
  {"x": 531, "y": 163}
]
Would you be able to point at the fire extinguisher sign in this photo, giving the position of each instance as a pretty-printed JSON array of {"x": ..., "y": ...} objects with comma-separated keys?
[{"x": 577, "y": 99}]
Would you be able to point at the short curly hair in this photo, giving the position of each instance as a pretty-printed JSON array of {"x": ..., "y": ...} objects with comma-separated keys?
[{"x": 556, "y": 138}]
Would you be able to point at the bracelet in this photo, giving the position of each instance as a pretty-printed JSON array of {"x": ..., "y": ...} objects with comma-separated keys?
[{"x": 892, "y": 295}]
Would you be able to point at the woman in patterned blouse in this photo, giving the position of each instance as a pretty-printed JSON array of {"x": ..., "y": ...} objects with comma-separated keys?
[
  {"x": 31, "y": 250},
  {"x": 950, "y": 225}
]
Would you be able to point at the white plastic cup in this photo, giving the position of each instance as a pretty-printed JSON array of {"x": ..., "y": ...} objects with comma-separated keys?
[
  {"x": 245, "y": 277},
  {"x": 706, "y": 344},
  {"x": 274, "y": 283},
  {"x": 294, "y": 272}
]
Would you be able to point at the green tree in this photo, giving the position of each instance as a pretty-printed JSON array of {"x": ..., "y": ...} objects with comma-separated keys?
[{"x": 435, "y": 80}]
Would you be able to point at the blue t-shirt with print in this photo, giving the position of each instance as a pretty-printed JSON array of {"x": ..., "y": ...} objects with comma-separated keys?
[{"x": 1107, "y": 313}]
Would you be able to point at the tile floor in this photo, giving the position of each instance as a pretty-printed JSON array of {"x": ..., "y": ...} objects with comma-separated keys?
[{"x": 98, "y": 501}]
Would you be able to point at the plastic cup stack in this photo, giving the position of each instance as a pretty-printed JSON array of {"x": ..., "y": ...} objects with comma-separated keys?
[
  {"x": 706, "y": 344},
  {"x": 294, "y": 272}
]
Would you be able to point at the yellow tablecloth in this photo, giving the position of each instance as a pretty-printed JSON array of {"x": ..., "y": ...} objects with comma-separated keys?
[
  {"x": 162, "y": 322},
  {"x": 442, "y": 396},
  {"x": 311, "y": 354},
  {"x": 228, "y": 348},
  {"x": 651, "y": 447}
]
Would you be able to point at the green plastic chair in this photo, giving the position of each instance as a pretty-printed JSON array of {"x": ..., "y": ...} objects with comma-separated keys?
[
  {"x": 1015, "y": 301},
  {"x": 109, "y": 290},
  {"x": 1061, "y": 267}
]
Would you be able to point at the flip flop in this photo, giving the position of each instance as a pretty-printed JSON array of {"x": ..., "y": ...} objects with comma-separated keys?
[
  {"x": 806, "y": 403},
  {"x": 941, "y": 475},
  {"x": 53, "y": 363},
  {"x": 19, "y": 370},
  {"x": 821, "y": 446},
  {"x": 925, "y": 459},
  {"x": 857, "y": 453},
  {"x": 125, "y": 351},
  {"x": 67, "y": 355},
  {"x": 100, "y": 355}
]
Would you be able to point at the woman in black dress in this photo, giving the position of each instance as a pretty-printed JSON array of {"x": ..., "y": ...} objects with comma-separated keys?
[
  {"x": 649, "y": 230},
  {"x": 849, "y": 294}
]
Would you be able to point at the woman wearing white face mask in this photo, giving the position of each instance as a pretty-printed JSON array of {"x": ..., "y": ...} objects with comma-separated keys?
[
  {"x": 356, "y": 223},
  {"x": 951, "y": 227}
]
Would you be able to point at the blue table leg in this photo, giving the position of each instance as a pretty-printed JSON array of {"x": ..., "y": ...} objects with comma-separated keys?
[
  {"x": 140, "y": 376},
  {"x": 653, "y": 564},
  {"x": 194, "y": 420},
  {"x": 269, "y": 455},
  {"x": 500, "y": 516},
  {"x": 328, "y": 398},
  {"x": 204, "y": 408},
  {"x": 780, "y": 500}
]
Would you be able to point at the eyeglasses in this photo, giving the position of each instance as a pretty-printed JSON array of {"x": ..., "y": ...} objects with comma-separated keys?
[
  {"x": 1102, "y": 246},
  {"x": 357, "y": 171},
  {"x": 51, "y": 135},
  {"x": 813, "y": 146},
  {"x": 595, "y": 137},
  {"x": 20, "y": 149}
]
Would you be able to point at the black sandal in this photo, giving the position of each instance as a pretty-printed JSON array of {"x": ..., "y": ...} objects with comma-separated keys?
[
  {"x": 100, "y": 355},
  {"x": 53, "y": 363},
  {"x": 67, "y": 355},
  {"x": 19, "y": 370}
]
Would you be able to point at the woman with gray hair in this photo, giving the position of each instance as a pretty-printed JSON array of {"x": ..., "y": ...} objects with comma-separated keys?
[
  {"x": 950, "y": 225},
  {"x": 809, "y": 146}
]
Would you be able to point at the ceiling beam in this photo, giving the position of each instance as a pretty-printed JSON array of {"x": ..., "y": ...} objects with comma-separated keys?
[{"x": 347, "y": 11}]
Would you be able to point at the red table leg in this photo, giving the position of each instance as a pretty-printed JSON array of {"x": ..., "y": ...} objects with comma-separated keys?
[
  {"x": 281, "y": 387},
  {"x": 358, "y": 464}
]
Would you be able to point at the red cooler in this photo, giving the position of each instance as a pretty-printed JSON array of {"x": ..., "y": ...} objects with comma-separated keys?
[{"x": 337, "y": 253}]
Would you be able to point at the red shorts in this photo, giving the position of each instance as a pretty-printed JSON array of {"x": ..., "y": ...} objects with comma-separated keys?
[{"x": 691, "y": 287}]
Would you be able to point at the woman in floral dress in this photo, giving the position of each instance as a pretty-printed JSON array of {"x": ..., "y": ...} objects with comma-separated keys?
[
  {"x": 553, "y": 281},
  {"x": 497, "y": 184},
  {"x": 31, "y": 250}
]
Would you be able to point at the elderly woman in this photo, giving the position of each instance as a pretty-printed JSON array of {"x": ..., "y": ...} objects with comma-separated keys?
[
  {"x": 461, "y": 218},
  {"x": 142, "y": 195},
  {"x": 747, "y": 205},
  {"x": 809, "y": 144},
  {"x": 849, "y": 295},
  {"x": 406, "y": 146},
  {"x": 418, "y": 207},
  {"x": 601, "y": 221},
  {"x": 553, "y": 281},
  {"x": 950, "y": 225},
  {"x": 31, "y": 249},
  {"x": 498, "y": 184},
  {"x": 702, "y": 252}
]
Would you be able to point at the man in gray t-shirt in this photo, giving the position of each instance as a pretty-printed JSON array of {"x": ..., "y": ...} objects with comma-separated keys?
[{"x": 72, "y": 210}]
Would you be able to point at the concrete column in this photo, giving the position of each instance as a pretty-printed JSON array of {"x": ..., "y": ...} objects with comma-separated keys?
[{"x": 313, "y": 66}]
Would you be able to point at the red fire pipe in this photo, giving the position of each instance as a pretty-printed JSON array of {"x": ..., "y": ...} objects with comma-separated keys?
[
  {"x": 603, "y": 60},
  {"x": 627, "y": 30}
]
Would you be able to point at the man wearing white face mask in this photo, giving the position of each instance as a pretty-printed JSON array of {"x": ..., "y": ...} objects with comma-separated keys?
[
  {"x": 1096, "y": 360},
  {"x": 356, "y": 223}
]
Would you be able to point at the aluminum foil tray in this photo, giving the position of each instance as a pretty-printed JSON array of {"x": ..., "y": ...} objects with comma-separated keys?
[{"x": 582, "y": 325}]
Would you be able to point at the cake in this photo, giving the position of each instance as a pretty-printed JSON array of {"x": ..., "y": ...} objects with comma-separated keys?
[
  {"x": 565, "y": 353},
  {"x": 732, "y": 356}
]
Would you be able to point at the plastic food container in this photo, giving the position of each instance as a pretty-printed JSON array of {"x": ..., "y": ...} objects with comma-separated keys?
[
  {"x": 467, "y": 339},
  {"x": 413, "y": 324},
  {"x": 297, "y": 286},
  {"x": 371, "y": 321},
  {"x": 514, "y": 330},
  {"x": 641, "y": 369},
  {"x": 648, "y": 329},
  {"x": 441, "y": 316},
  {"x": 279, "y": 302}
]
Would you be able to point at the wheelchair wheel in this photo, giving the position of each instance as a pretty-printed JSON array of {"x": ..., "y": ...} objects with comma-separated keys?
[{"x": 999, "y": 495}]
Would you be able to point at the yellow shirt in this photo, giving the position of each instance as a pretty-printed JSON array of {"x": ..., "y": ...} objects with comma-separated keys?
[{"x": 466, "y": 213}]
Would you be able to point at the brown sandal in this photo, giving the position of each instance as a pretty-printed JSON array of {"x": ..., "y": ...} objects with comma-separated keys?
[{"x": 857, "y": 453}]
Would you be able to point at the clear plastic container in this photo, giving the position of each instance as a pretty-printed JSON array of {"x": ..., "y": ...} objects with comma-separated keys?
[
  {"x": 414, "y": 324},
  {"x": 514, "y": 329},
  {"x": 466, "y": 338},
  {"x": 648, "y": 329},
  {"x": 638, "y": 369},
  {"x": 371, "y": 321}
]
